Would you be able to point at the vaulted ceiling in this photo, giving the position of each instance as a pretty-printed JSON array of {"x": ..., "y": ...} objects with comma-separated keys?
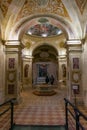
[
  {"x": 45, "y": 53},
  {"x": 17, "y": 16}
]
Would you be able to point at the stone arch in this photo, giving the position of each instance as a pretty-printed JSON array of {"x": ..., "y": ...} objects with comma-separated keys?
[
  {"x": 44, "y": 44},
  {"x": 47, "y": 58},
  {"x": 20, "y": 28}
]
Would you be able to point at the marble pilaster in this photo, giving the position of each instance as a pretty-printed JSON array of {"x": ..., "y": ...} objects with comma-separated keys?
[{"x": 74, "y": 70}]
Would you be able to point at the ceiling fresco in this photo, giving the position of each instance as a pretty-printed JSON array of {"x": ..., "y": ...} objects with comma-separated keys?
[
  {"x": 44, "y": 29},
  {"x": 36, "y": 6},
  {"x": 15, "y": 13},
  {"x": 41, "y": 6},
  {"x": 4, "y": 5}
]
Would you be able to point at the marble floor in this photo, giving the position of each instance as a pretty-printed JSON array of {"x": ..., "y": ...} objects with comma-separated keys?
[{"x": 41, "y": 110}]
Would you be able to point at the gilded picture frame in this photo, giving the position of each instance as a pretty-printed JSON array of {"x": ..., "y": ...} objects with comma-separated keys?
[
  {"x": 11, "y": 89},
  {"x": 11, "y": 63},
  {"x": 11, "y": 75},
  {"x": 76, "y": 76},
  {"x": 75, "y": 63}
]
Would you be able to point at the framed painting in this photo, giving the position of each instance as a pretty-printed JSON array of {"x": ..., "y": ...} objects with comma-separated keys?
[
  {"x": 76, "y": 76},
  {"x": 42, "y": 70},
  {"x": 11, "y": 75},
  {"x": 11, "y": 63},
  {"x": 11, "y": 88},
  {"x": 76, "y": 63}
]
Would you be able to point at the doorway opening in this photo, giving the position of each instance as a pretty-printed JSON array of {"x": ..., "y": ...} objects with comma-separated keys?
[{"x": 45, "y": 63}]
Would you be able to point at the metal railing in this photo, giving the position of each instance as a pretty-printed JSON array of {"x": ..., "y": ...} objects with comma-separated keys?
[
  {"x": 10, "y": 107},
  {"x": 76, "y": 115}
]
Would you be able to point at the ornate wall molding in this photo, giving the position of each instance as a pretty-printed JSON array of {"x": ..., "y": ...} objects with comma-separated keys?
[{"x": 81, "y": 4}]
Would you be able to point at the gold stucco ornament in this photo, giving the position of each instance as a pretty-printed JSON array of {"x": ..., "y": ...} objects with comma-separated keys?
[{"x": 28, "y": 44}]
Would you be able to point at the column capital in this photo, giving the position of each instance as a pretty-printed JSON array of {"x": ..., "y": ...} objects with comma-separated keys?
[
  {"x": 74, "y": 42},
  {"x": 74, "y": 45},
  {"x": 12, "y": 42},
  {"x": 61, "y": 58},
  {"x": 27, "y": 58}
]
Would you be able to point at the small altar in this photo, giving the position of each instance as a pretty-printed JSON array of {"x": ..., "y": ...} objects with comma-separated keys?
[{"x": 44, "y": 90}]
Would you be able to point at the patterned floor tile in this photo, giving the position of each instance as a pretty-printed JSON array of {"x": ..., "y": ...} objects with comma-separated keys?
[{"x": 41, "y": 110}]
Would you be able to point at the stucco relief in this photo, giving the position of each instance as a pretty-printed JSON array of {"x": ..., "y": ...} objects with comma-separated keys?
[
  {"x": 81, "y": 4},
  {"x": 4, "y": 4},
  {"x": 42, "y": 2},
  {"x": 52, "y": 6}
]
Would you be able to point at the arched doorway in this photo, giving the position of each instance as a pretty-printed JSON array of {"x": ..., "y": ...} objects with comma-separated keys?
[
  {"x": 45, "y": 51},
  {"x": 45, "y": 63}
]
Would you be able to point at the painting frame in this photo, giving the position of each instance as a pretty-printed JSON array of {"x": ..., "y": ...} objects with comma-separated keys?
[
  {"x": 11, "y": 89},
  {"x": 76, "y": 76},
  {"x": 42, "y": 70},
  {"x": 75, "y": 63},
  {"x": 11, "y": 75},
  {"x": 11, "y": 63},
  {"x": 76, "y": 88}
]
